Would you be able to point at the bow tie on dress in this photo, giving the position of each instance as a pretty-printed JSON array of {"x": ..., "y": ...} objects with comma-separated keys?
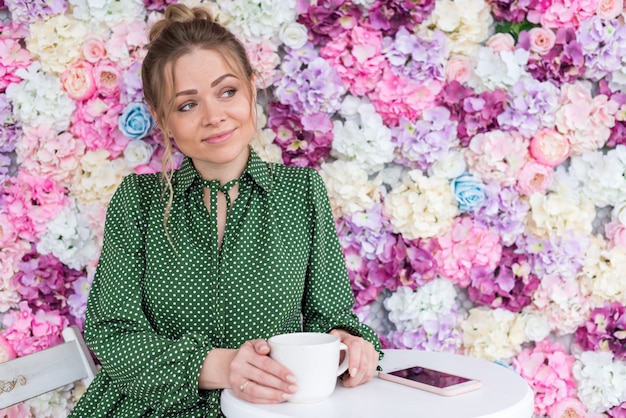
[{"x": 214, "y": 187}]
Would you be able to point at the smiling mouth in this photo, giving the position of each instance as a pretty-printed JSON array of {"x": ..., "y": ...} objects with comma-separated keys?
[{"x": 219, "y": 138}]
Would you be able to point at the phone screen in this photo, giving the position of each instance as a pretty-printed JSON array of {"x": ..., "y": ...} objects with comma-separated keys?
[{"x": 430, "y": 377}]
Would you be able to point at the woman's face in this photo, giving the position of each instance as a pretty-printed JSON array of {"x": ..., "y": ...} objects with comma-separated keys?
[{"x": 212, "y": 120}]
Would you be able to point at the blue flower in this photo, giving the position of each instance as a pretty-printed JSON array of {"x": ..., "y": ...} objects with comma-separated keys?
[
  {"x": 135, "y": 122},
  {"x": 469, "y": 192}
]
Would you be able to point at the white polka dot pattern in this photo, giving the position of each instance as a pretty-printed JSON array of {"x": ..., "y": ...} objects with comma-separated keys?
[{"x": 154, "y": 313}]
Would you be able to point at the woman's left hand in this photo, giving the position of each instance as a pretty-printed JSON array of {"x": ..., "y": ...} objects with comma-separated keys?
[{"x": 363, "y": 358}]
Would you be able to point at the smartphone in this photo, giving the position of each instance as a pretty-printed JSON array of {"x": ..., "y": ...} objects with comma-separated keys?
[{"x": 430, "y": 380}]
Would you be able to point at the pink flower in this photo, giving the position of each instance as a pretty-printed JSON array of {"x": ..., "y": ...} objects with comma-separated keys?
[
  {"x": 568, "y": 408},
  {"x": 534, "y": 178},
  {"x": 616, "y": 233},
  {"x": 609, "y": 9},
  {"x": 459, "y": 68},
  {"x": 541, "y": 40},
  {"x": 95, "y": 122},
  {"x": 497, "y": 156},
  {"x": 78, "y": 80},
  {"x": 107, "y": 78},
  {"x": 549, "y": 147},
  {"x": 566, "y": 13},
  {"x": 6, "y": 351},
  {"x": 465, "y": 247},
  {"x": 12, "y": 57},
  {"x": 548, "y": 370},
  {"x": 501, "y": 42},
  {"x": 94, "y": 49}
]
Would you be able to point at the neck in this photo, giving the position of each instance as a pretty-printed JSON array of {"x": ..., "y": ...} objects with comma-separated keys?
[{"x": 223, "y": 172}]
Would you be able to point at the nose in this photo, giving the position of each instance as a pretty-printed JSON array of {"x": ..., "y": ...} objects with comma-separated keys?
[{"x": 213, "y": 115}]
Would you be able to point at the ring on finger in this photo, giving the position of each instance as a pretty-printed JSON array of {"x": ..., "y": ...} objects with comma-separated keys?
[{"x": 242, "y": 387}]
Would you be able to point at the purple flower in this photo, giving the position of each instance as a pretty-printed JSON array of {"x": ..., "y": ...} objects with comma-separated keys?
[
  {"x": 603, "y": 46},
  {"x": 618, "y": 131},
  {"x": 564, "y": 63},
  {"x": 440, "y": 334},
  {"x": 9, "y": 131},
  {"x": 389, "y": 16},
  {"x": 326, "y": 19},
  {"x": 513, "y": 11},
  {"x": 605, "y": 330},
  {"x": 531, "y": 104},
  {"x": 415, "y": 57},
  {"x": 421, "y": 144},
  {"x": 510, "y": 286},
  {"x": 561, "y": 256},
  {"x": 308, "y": 83},
  {"x": 157, "y": 4},
  {"x": 28, "y": 11}
]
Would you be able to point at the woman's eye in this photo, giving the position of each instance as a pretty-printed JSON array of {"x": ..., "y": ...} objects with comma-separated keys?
[
  {"x": 186, "y": 107},
  {"x": 229, "y": 93}
]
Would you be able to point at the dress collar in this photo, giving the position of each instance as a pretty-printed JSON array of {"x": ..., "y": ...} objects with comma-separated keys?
[{"x": 256, "y": 169}]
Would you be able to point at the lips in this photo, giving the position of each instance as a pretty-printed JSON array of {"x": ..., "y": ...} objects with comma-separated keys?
[{"x": 219, "y": 138}]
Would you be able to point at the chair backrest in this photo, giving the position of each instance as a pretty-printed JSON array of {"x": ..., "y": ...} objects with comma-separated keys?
[{"x": 34, "y": 374}]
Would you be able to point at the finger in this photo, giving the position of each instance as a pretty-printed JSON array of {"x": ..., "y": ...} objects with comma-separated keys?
[
  {"x": 261, "y": 346},
  {"x": 257, "y": 393}
]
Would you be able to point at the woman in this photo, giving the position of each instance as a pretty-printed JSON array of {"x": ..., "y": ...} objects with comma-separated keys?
[{"x": 201, "y": 264}]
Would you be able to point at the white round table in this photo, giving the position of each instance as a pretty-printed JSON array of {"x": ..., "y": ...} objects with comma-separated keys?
[{"x": 504, "y": 394}]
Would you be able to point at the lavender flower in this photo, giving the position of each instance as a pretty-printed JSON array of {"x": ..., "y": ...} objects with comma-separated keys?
[
  {"x": 531, "y": 104},
  {"x": 603, "y": 45},
  {"x": 440, "y": 335},
  {"x": 561, "y": 256},
  {"x": 389, "y": 16},
  {"x": 28, "y": 11},
  {"x": 605, "y": 330},
  {"x": 415, "y": 57},
  {"x": 421, "y": 144},
  {"x": 513, "y": 11},
  {"x": 504, "y": 212},
  {"x": 308, "y": 83}
]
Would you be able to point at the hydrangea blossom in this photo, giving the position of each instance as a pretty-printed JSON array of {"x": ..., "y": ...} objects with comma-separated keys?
[
  {"x": 602, "y": 274},
  {"x": 601, "y": 176},
  {"x": 605, "y": 330},
  {"x": 601, "y": 380},
  {"x": 29, "y": 11},
  {"x": 12, "y": 57},
  {"x": 391, "y": 16},
  {"x": 421, "y": 207},
  {"x": 258, "y": 20},
  {"x": 560, "y": 256},
  {"x": 531, "y": 104},
  {"x": 498, "y": 70},
  {"x": 102, "y": 15},
  {"x": 421, "y": 143},
  {"x": 603, "y": 45},
  {"x": 327, "y": 19}
]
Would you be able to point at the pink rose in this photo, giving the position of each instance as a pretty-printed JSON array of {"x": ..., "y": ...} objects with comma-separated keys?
[
  {"x": 609, "y": 9},
  {"x": 616, "y": 233},
  {"x": 93, "y": 48},
  {"x": 459, "y": 68},
  {"x": 534, "y": 178},
  {"x": 541, "y": 40},
  {"x": 6, "y": 350},
  {"x": 501, "y": 42},
  {"x": 78, "y": 80},
  {"x": 549, "y": 147},
  {"x": 568, "y": 408},
  {"x": 107, "y": 77}
]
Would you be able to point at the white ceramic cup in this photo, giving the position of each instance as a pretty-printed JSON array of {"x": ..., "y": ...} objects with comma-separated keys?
[{"x": 313, "y": 358}]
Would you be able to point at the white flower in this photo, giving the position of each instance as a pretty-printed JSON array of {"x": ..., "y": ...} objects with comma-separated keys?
[
  {"x": 601, "y": 381},
  {"x": 536, "y": 326},
  {"x": 349, "y": 188},
  {"x": 421, "y": 207},
  {"x": 364, "y": 139},
  {"x": 618, "y": 214},
  {"x": 263, "y": 144},
  {"x": 294, "y": 35},
  {"x": 556, "y": 213},
  {"x": 56, "y": 403},
  {"x": 498, "y": 70},
  {"x": 493, "y": 334},
  {"x": 69, "y": 238},
  {"x": 104, "y": 14},
  {"x": 98, "y": 178},
  {"x": 409, "y": 309},
  {"x": 40, "y": 100},
  {"x": 602, "y": 276},
  {"x": 259, "y": 20},
  {"x": 601, "y": 176},
  {"x": 448, "y": 166},
  {"x": 137, "y": 153}
]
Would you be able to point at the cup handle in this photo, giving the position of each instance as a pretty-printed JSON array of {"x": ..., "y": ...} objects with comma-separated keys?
[{"x": 344, "y": 364}]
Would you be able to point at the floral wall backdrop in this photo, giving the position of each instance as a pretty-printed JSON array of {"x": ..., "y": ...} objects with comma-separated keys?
[{"x": 474, "y": 152}]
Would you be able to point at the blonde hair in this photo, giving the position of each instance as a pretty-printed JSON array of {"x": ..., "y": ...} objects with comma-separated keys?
[{"x": 182, "y": 31}]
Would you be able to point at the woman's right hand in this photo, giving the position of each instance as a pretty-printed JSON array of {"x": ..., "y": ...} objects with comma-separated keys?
[{"x": 257, "y": 378}]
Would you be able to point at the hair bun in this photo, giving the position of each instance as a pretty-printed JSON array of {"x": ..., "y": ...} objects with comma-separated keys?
[{"x": 179, "y": 13}]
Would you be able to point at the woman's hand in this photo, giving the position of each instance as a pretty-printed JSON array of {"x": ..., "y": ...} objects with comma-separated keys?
[
  {"x": 256, "y": 377},
  {"x": 363, "y": 358}
]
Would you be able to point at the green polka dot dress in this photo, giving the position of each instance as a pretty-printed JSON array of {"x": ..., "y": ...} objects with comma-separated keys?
[{"x": 155, "y": 311}]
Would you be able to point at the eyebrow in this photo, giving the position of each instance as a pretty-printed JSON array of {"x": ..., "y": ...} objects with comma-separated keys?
[{"x": 213, "y": 84}]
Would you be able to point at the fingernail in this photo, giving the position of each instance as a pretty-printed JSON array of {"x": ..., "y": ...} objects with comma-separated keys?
[
  {"x": 287, "y": 396},
  {"x": 293, "y": 388},
  {"x": 353, "y": 372},
  {"x": 291, "y": 378}
]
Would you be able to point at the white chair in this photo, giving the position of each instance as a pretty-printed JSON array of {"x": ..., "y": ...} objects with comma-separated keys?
[{"x": 34, "y": 374}]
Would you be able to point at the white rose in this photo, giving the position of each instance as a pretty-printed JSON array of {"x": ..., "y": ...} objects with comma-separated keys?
[
  {"x": 536, "y": 327},
  {"x": 137, "y": 152},
  {"x": 294, "y": 35}
]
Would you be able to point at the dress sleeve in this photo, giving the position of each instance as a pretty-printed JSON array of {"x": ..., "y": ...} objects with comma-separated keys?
[
  {"x": 328, "y": 299},
  {"x": 160, "y": 373}
]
